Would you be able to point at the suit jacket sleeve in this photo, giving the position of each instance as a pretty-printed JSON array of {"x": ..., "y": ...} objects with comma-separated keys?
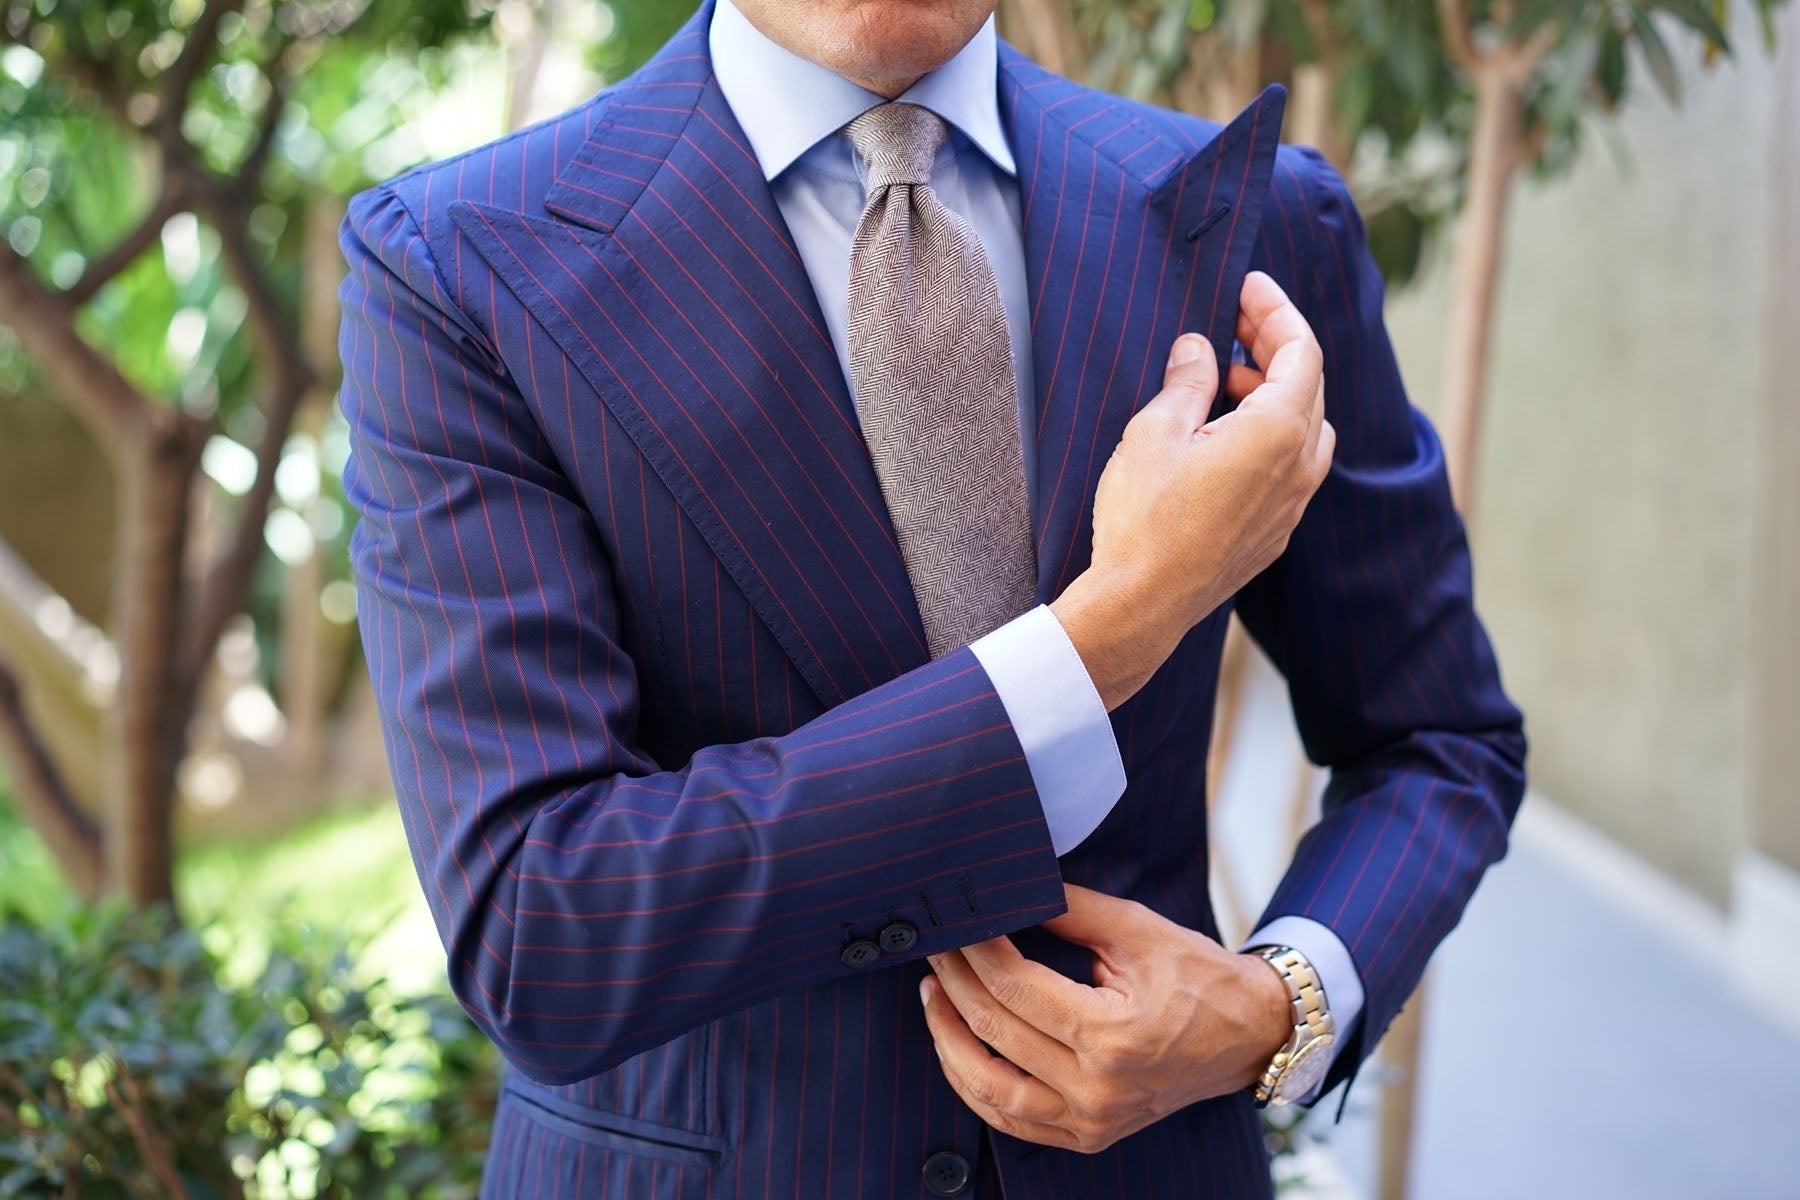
[
  {"x": 1369, "y": 613},
  {"x": 593, "y": 904}
]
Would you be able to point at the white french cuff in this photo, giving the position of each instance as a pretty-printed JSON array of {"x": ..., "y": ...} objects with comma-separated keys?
[{"x": 1060, "y": 721}]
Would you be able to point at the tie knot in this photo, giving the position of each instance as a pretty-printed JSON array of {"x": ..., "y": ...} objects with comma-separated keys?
[{"x": 897, "y": 143}]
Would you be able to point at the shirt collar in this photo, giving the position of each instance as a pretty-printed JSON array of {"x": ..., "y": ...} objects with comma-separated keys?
[{"x": 787, "y": 104}]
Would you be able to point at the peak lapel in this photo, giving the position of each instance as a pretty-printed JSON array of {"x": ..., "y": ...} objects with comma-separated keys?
[
  {"x": 1131, "y": 238},
  {"x": 670, "y": 279}
]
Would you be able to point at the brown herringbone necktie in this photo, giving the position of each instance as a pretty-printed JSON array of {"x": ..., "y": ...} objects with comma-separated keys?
[{"x": 933, "y": 373}]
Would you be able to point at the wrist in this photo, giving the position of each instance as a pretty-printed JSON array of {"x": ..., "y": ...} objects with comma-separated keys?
[
  {"x": 1299, "y": 1068},
  {"x": 1117, "y": 631},
  {"x": 1271, "y": 1012}
]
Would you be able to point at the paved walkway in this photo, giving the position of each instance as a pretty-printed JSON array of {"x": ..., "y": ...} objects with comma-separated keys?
[
  {"x": 1601, "y": 1060},
  {"x": 1583, "y": 1038}
]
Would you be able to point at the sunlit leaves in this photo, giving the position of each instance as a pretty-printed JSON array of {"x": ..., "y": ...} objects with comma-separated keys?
[
  {"x": 629, "y": 31},
  {"x": 113, "y": 116},
  {"x": 273, "y": 1067}
]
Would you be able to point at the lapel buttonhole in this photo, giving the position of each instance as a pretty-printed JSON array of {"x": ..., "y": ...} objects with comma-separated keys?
[{"x": 1212, "y": 218}]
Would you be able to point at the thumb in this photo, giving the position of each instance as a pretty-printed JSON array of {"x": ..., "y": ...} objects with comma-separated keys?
[{"x": 1190, "y": 381}]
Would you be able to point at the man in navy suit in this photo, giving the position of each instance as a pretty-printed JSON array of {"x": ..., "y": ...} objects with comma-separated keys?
[{"x": 803, "y": 491}]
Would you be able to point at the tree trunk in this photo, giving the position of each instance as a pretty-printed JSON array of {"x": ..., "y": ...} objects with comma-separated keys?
[
  {"x": 311, "y": 649},
  {"x": 524, "y": 62},
  {"x": 302, "y": 655},
  {"x": 44, "y": 799},
  {"x": 1238, "y": 74},
  {"x": 151, "y": 710},
  {"x": 1312, "y": 115},
  {"x": 1220, "y": 82},
  {"x": 1496, "y": 151},
  {"x": 63, "y": 670},
  {"x": 1045, "y": 31},
  {"x": 1494, "y": 155}
]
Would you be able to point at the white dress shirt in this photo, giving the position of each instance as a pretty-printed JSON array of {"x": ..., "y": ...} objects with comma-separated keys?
[{"x": 793, "y": 111}]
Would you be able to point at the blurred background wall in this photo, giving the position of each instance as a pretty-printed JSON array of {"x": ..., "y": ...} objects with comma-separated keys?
[{"x": 1637, "y": 534}]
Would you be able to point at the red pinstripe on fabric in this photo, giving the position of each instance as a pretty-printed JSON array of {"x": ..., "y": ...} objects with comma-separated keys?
[
  {"x": 705, "y": 439},
  {"x": 1384, "y": 852},
  {"x": 899, "y": 607},
  {"x": 584, "y": 370}
]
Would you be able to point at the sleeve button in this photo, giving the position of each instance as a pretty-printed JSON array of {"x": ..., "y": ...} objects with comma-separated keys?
[
  {"x": 860, "y": 953},
  {"x": 899, "y": 937}
]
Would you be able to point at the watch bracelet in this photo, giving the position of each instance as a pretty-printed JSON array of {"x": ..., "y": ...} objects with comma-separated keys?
[{"x": 1311, "y": 1017}]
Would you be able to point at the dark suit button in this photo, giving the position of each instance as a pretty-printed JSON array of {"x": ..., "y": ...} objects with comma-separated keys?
[
  {"x": 899, "y": 937},
  {"x": 946, "y": 1174},
  {"x": 860, "y": 953}
]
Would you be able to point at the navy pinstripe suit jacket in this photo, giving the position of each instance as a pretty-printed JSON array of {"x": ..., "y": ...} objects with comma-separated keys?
[{"x": 655, "y": 692}]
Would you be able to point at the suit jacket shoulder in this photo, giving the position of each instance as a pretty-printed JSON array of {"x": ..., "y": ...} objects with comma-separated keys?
[{"x": 516, "y": 172}]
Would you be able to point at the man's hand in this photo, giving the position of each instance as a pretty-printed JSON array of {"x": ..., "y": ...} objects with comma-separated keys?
[
  {"x": 1173, "y": 1017},
  {"x": 1188, "y": 511}
]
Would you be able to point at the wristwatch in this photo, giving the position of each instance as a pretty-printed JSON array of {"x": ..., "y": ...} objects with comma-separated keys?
[{"x": 1298, "y": 1066}]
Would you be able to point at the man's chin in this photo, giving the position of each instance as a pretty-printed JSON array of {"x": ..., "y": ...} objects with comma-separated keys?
[
  {"x": 890, "y": 46},
  {"x": 889, "y": 43}
]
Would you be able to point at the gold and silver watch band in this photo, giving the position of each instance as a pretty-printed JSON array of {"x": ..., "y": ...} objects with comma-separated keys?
[{"x": 1314, "y": 1030}]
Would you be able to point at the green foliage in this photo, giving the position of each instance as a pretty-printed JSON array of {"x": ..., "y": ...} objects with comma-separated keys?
[
  {"x": 87, "y": 93},
  {"x": 1401, "y": 90},
  {"x": 267, "y": 107},
  {"x": 30, "y": 883},
  {"x": 138, "y": 1059},
  {"x": 638, "y": 30},
  {"x": 1401, "y": 101},
  {"x": 103, "y": 107},
  {"x": 341, "y": 869},
  {"x": 249, "y": 1002}
]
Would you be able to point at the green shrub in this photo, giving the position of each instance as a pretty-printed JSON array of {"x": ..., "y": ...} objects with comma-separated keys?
[{"x": 140, "y": 1059}]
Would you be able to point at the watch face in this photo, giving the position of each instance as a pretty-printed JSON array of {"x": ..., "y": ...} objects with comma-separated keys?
[{"x": 1305, "y": 1069}]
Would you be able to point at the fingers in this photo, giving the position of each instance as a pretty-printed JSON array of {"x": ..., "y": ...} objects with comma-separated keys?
[
  {"x": 1094, "y": 919},
  {"x": 1292, "y": 387},
  {"x": 1190, "y": 381},
  {"x": 1242, "y": 381},
  {"x": 1029, "y": 1047},
  {"x": 1268, "y": 321},
  {"x": 1315, "y": 421},
  {"x": 993, "y": 1087},
  {"x": 1292, "y": 376},
  {"x": 1045, "y": 1000},
  {"x": 1260, "y": 298},
  {"x": 1278, "y": 337}
]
